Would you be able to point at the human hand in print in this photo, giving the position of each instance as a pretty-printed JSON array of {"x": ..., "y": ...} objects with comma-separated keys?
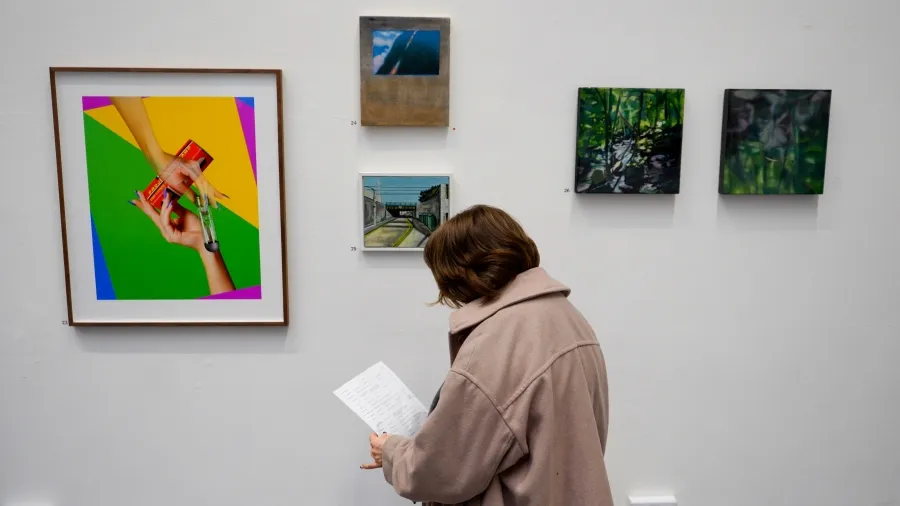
[
  {"x": 180, "y": 174},
  {"x": 185, "y": 229}
]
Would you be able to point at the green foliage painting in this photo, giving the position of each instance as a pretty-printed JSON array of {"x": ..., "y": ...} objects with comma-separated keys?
[
  {"x": 629, "y": 140},
  {"x": 774, "y": 142}
]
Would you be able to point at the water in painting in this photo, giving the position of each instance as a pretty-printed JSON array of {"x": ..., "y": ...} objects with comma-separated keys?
[{"x": 406, "y": 52}]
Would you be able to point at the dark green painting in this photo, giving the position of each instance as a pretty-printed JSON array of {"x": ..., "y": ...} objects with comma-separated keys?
[
  {"x": 774, "y": 142},
  {"x": 629, "y": 140}
]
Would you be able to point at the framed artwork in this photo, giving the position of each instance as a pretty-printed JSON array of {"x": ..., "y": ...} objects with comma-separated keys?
[
  {"x": 404, "y": 66},
  {"x": 162, "y": 178},
  {"x": 629, "y": 140},
  {"x": 774, "y": 142},
  {"x": 400, "y": 211}
]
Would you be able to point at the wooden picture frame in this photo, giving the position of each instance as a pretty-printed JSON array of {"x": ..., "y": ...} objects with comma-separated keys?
[
  {"x": 145, "y": 158},
  {"x": 405, "y": 77}
]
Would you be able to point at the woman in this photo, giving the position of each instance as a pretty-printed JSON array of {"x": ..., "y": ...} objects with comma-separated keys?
[{"x": 522, "y": 415}]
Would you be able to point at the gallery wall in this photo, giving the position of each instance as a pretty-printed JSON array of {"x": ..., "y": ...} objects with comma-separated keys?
[{"x": 751, "y": 341}]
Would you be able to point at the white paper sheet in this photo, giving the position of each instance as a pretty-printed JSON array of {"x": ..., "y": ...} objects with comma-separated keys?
[{"x": 384, "y": 402}]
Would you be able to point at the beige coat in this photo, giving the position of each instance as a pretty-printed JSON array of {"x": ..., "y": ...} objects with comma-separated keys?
[{"x": 523, "y": 412}]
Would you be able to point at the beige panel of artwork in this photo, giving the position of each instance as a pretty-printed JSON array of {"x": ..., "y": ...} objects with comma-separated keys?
[{"x": 409, "y": 84}]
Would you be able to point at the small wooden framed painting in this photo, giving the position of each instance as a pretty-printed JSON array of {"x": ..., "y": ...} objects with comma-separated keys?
[
  {"x": 161, "y": 175},
  {"x": 404, "y": 71},
  {"x": 400, "y": 211}
]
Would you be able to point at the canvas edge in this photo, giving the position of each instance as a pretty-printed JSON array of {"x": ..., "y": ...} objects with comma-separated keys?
[
  {"x": 577, "y": 136},
  {"x": 723, "y": 137},
  {"x": 827, "y": 140}
]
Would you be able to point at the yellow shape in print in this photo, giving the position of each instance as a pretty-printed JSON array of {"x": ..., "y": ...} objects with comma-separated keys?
[
  {"x": 214, "y": 124},
  {"x": 109, "y": 117}
]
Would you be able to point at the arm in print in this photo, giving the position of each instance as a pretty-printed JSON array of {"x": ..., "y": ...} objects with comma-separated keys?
[
  {"x": 179, "y": 174},
  {"x": 186, "y": 230}
]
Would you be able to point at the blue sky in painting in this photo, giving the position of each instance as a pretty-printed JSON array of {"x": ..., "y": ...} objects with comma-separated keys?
[
  {"x": 402, "y": 188},
  {"x": 382, "y": 41}
]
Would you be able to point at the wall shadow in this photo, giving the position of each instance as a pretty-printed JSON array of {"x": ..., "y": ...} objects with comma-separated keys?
[
  {"x": 185, "y": 340},
  {"x": 393, "y": 259},
  {"x": 768, "y": 212},
  {"x": 405, "y": 138},
  {"x": 623, "y": 211}
]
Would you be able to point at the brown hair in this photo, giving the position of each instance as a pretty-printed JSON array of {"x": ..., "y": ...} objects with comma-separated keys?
[{"x": 477, "y": 253}]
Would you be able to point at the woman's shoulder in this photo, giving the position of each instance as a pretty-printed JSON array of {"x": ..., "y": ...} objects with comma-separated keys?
[{"x": 514, "y": 345}]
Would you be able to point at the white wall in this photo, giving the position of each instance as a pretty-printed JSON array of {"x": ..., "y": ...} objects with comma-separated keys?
[{"x": 752, "y": 342}]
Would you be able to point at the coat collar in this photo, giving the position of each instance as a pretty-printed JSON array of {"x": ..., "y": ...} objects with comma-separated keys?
[{"x": 527, "y": 285}]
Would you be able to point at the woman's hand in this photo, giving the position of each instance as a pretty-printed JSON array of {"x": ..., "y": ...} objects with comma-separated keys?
[
  {"x": 180, "y": 174},
  {"x": 186, "y": 230},
  {"x": 377, "y": 444}
]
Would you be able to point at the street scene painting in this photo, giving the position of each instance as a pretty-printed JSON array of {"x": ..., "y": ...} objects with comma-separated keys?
[
  {"x": 406, "y": 52},
  {"x": 400, "y": 212},
  {"x": 629, "y": 140},
  {"x": 774, "y": 142}
]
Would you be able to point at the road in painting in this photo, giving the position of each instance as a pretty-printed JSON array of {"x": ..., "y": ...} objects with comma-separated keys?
[
  {"x": 155, "y": 245},
  {"x": 401, "y": 212},
  {"x": 396, "y": 232},
  {"x": 406, "y": 52},
  {"x": 774, "y": 142},
  {"x": 629, "y": 140}
]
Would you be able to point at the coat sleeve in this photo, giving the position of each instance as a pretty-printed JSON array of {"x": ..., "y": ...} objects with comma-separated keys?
[{"x": 457, "y": 452}]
